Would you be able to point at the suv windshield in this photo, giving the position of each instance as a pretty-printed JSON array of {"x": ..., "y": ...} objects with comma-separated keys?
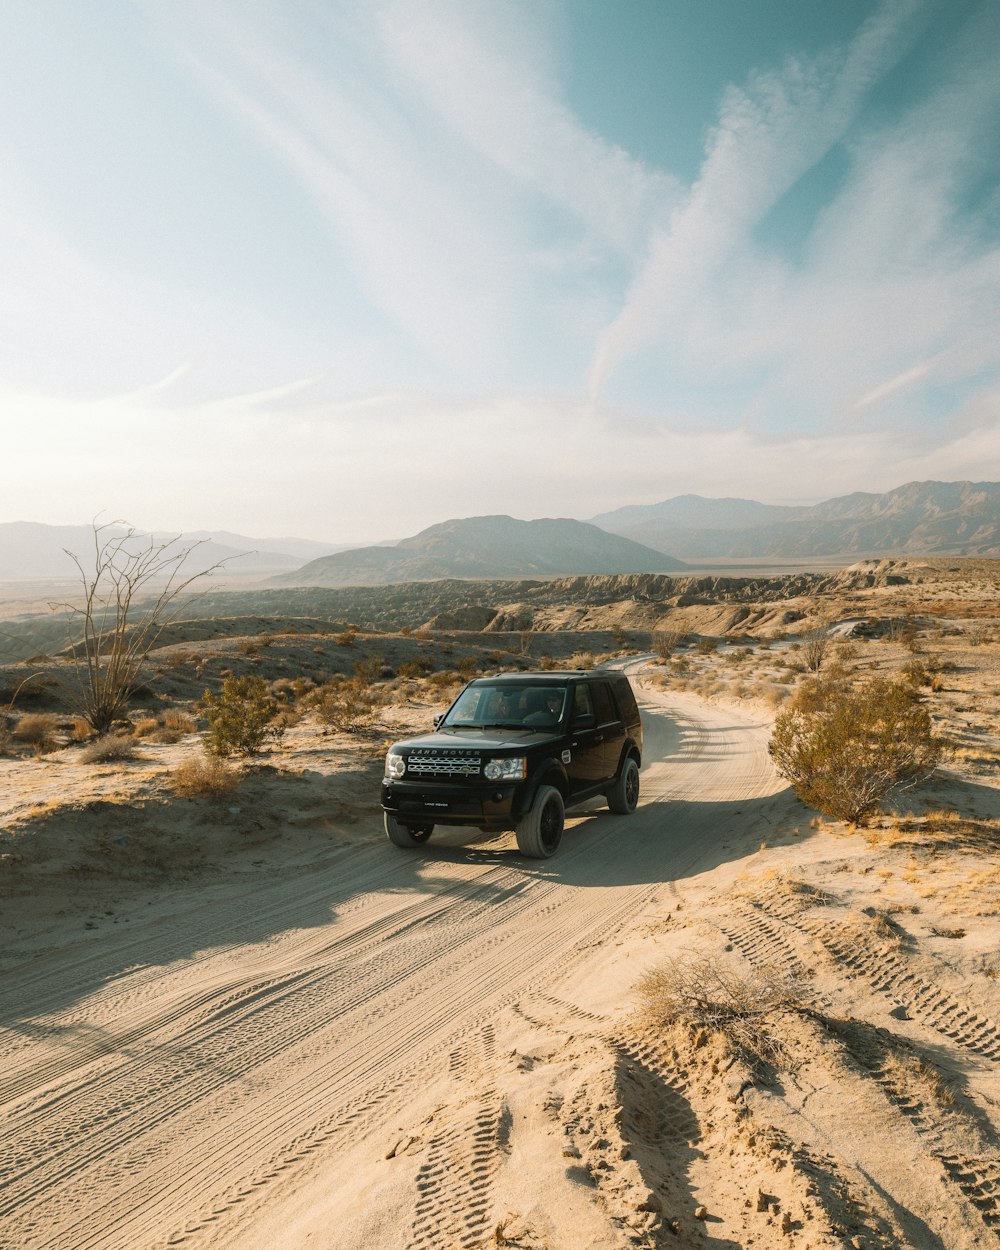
[{"x": 507, "y": 705}]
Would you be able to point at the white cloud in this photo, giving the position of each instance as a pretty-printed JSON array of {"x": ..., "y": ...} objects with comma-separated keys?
[
  {"x": 378, "y": 466},
  {"x": 504, "y": 105},
  {"x": 769, "y": 134}
]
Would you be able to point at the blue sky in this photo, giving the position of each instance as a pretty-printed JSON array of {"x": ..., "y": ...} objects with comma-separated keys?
[{"x": 345, "y": 269}]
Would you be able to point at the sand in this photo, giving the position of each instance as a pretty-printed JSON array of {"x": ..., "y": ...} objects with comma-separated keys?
[{"x": 308, "y": 1038}]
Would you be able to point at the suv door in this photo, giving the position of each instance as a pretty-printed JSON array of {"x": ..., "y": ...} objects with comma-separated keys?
[
  {"x": 610, "y": 726},
  {"x": 586, "y": 741}
]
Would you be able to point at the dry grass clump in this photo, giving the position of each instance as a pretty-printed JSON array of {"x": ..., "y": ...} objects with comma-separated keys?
[
  {"x": 35, "y": 728},
  {"x": 203, "y": 777},
  {"x": 168, "y": 726},
  {"x": 109, "y": 749},
  {"x": 743, "y": 1005}
]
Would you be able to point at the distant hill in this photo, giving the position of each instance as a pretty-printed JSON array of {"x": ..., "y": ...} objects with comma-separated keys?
[
  {"x": 32, "y": 551},
  {"x": 925, "y": 518},
  {"x": 485, "y": 547}
]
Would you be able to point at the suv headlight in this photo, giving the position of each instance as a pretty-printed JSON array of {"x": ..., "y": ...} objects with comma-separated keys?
[
  {"x": 395, "y": 765},
  {"x": 506, "y": 769}
]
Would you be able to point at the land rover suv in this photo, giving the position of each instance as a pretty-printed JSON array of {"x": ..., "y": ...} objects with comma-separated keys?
[{"x": 513, "y": 752}]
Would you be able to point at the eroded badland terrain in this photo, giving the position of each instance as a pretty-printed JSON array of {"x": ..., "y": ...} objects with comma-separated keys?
[{"x": 234, "y": 1016}]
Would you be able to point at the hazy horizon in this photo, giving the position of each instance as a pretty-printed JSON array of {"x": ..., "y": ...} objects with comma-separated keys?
[{"x": 345, "y": 270}]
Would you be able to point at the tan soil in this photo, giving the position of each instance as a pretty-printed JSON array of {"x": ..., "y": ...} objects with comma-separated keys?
[{"x": 250, "y": 1022}]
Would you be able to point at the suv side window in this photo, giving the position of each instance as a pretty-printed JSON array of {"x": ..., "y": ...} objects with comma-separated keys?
[
  {"x": 583, "y": 707},
  {"x": 603, "y": 706},
  {"x": 626, "y": 702}
]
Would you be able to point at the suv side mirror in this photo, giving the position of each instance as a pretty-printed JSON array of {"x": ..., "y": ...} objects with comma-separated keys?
[
  {"x": 584, "y": 720},
  {"x": 438, "y": 719}
]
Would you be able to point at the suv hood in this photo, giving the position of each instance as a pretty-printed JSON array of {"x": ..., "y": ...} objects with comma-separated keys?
[{"x": 484, "y": 739}]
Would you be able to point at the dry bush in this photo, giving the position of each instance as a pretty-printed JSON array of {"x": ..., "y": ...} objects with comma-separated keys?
[
  {"x": 469, "y": 666},
  {"x": 36, "y": 729},
  {"x": 240, "y": 718},
  {"x": 814, "y": 644},
  {"x": 109, "y": 749},
  {"x": 347, "y": 636},
  {"x": 346, "y": 706},
  {"x": 410, "y": 669},
  {"x": 846, "y": 749},
  {"x": 666, "y": 641},
  {"x": 145, "y": 727},
  {"x": 742, "y": 1005},
  {"x": 706, "y": 646},
  {"x": 203, "y": 777},
  {"x": 369, "y": 668}
]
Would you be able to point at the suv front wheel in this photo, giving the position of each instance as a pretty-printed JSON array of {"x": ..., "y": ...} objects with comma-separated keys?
[
  {"x": 539, "y": 832},
  {"x": 624, "y": 794},
  {"x": 405, "y": 835}
]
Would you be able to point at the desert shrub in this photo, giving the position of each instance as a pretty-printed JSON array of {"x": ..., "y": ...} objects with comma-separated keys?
[
  {"x": 814, "y": 645},
  {"x": 744, "y": 1005},
  {"x": 347, "y": 636},
  {"x": 548, "y": 662},
  {"x": 345, "y": 705},
  {"x": 706, "y": 646},
  {"x": 900, "y": 629},
  {"x": 845, "y": 749},
  {"x": 442, "y": 679},
  {"x": 469, "y": 666},
  {"x": 412, "y": 668},
  {"x": 249, "y": 647},
  {"x": 369, "y": 668},
  {"x": 204, "y": 776},
  {"x": 240, "y": 718},
  {"x": 108, "y": 749},
  {"x": 666, "y": 641},
  {"x": 145, "y": 727}
]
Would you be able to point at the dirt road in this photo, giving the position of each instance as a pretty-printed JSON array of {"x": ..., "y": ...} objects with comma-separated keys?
[{"x": 229, "y": 1069}]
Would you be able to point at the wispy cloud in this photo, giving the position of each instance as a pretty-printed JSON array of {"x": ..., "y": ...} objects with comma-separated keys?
[
  {"x": 504, "y": 106},
  {"x": 769, "y": 134},
  {"x": 403, "y": 209}
]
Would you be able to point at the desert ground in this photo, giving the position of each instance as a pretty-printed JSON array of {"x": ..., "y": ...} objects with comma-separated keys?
[{"x": 232, "y": 1015}]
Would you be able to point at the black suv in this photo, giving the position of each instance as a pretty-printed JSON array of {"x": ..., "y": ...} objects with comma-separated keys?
[{"x": 512, "y": 752}]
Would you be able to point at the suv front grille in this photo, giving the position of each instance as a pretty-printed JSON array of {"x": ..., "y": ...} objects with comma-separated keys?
[{"x": 430, "y": 763}]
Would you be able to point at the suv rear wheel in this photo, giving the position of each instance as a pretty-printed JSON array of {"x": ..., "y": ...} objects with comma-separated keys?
[
  {"x": 539, "y": 832},
  {"x": 624, "y": 794},
  {"x": 405, "y": 835}
]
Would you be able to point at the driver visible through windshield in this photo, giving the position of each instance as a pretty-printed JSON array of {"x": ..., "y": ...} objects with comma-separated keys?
[{"x": 507, "y": 706}]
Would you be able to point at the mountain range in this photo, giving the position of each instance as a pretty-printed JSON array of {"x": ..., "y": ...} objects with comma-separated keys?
[
  {"x": 30, "y": 550},
  {"x": 920, "y": 518},
  {"x": 485, "y": 546}
]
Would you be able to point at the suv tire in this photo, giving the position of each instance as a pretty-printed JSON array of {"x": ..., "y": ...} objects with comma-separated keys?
[
  {"x": 539, "y": 832},
  {"x": 405, "y": 835},
  {"x": 624, "y": 794}
]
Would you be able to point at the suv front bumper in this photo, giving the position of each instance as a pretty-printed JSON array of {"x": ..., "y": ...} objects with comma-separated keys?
[{"x": 487, "y": 806}]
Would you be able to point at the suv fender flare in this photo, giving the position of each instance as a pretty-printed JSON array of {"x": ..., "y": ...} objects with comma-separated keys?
[
  {"x": 549, "y": 773},
  {"x": 629, "y": 749}
]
